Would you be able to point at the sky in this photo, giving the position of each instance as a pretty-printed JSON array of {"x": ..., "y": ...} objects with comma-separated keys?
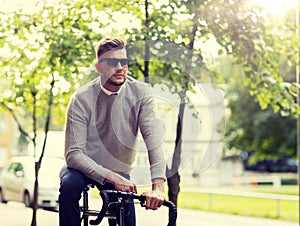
[{"x": 277, "y": 7}]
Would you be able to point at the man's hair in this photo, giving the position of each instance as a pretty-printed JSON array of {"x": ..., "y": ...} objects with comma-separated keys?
[{"x": 109, "y": 43}]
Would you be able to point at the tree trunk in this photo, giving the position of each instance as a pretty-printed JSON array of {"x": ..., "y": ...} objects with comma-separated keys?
[
  {"x": 39, "y": 162},
  {"x": 173, "y": 174},
  {"x": 174, "y": 189},
  {"x": 35, "y": 195},
  {"x": 147, "y": 48},
  {"x": 173, "y": 177}
]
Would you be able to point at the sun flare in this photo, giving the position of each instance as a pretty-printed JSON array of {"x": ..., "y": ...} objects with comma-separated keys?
[{"x": 275, "y": 7}]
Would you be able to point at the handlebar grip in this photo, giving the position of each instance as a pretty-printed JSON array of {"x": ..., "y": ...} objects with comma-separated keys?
[
  {"x": 170, "y": 205},
  {"x": 172, "y": 212}
]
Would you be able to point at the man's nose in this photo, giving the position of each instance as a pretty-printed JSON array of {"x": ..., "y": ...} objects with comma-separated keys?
[{"x": 119, "y": 66}]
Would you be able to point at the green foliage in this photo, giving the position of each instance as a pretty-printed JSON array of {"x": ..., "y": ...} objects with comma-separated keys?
[
  {"x": 259, "y": 44},
  {"x": 52, "y": 47},
  {"x": 249, "y": 128},
  {"x": 59, "y": 38}
]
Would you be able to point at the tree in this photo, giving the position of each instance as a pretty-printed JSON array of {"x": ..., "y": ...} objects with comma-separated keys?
[
  {"x": 268, "y": 134},
  {"x": 246, "y": 34},
  {"x": 240, "y": 31},
  {"x": 43, "y": 59},
  {"x": 159, "y": 52}
]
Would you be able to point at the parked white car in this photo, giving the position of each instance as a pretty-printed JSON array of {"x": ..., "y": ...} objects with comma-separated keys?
[{"x": 18, "y": 176}]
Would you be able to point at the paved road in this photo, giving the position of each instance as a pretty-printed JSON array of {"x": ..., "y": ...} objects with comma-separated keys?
[{"x": 15, "y": 214}]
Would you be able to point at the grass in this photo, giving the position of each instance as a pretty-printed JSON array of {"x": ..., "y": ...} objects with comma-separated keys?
[
  {"x": 257, "y": 207},
  {"x": 284, "y": 190}
]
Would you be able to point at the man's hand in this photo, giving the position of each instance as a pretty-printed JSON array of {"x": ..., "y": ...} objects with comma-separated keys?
[
  {"x": 156, "y": 197},
  {"x": 120, "y": 183}
]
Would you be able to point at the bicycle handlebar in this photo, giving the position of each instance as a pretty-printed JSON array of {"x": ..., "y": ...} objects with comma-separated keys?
[{"x": 129, "y": 195}]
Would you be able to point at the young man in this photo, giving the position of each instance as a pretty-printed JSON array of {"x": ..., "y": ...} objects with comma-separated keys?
[{"x": 102, "y": 124}]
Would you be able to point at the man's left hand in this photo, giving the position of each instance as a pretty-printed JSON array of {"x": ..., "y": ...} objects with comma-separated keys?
[{"x": 156, "y": 197}]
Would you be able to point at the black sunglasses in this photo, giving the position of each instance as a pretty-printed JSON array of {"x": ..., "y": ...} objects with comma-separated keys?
[{"x": 112, "y": 62}]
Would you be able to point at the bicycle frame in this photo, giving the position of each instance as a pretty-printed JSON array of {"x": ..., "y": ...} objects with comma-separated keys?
[{"x": 86, "y": 212}]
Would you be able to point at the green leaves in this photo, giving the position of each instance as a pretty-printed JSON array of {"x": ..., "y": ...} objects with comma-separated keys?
[
  {"x": 55, "y": 45},
  {"x": 38, "y": 51}
]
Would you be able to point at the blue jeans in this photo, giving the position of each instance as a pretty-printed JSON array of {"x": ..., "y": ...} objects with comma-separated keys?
[{"x": 72, "y": 183}]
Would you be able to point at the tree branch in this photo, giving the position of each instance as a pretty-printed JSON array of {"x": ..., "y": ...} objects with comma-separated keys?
[
  {"x": 140, "y": 68},
  {"x": 48, "y": 118},
  {"x": 11, "y": 111}
]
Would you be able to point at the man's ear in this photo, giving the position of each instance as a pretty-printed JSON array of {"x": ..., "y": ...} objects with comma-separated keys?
[{"x": 98, "y": 67}]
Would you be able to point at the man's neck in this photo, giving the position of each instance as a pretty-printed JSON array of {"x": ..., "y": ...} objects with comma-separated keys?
[{"x": 110, "y": 89}]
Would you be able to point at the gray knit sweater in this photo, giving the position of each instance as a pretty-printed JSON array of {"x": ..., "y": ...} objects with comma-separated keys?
[{"x": 101, "y": 130}]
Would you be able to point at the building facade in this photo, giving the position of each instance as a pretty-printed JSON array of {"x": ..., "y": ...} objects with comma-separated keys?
[{"x": 7, "y": 131}]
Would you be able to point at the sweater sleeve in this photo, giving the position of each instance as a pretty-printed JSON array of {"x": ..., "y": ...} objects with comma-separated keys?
[
  {"x": 152, "y": 129},
  {"x": 78, "y": 117}
]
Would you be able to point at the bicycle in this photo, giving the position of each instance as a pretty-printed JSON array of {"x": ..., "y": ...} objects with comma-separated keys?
[{"x": 115, "y": 210}]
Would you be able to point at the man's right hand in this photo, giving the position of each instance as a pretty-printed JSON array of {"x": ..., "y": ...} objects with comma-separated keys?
[{"x": 120, "y": 183}]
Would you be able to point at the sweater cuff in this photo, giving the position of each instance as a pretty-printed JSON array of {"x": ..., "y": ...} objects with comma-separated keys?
[
  {"x": 158, "y": 173},
  {"x": 101, "y": 175}
]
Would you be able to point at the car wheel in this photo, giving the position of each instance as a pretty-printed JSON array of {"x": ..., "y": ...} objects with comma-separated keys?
[
  {"x": 26, "y": 199},
  {"x": 1, "y": 197}
]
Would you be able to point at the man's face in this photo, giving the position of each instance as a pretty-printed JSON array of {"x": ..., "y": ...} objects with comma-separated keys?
[{"x": 112, "y": 67}]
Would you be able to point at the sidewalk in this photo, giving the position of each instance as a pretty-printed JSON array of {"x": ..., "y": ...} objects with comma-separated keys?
[{"x": 15, "y": 214}]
